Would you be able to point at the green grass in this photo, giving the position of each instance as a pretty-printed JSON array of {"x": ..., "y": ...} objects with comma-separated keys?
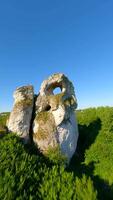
[
  {"x": 26, "y": 174},
  {"x": 94, "y": 155},
  {"x": 3, "y": 120}
]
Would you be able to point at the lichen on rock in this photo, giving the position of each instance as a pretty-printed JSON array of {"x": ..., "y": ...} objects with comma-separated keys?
[
  {"x": 20, "y": 117},
  {"x": 55, "y": 123}
]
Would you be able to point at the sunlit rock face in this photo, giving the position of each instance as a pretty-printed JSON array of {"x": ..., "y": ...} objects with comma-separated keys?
[
  {"x": 48, "y": 118},
  {"x": 20, "y": 117},
  {"x": 55, "y": 122}
]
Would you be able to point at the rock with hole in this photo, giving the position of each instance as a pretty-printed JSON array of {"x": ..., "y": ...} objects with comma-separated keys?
[{"x": 55, "y": 125}]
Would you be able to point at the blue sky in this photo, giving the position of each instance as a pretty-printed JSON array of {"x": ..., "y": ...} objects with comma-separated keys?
[{"x": 41, "y": 37}]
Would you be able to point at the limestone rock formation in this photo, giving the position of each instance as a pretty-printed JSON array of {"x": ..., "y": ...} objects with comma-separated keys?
[
  {"x": 55, "y": 122},
  {"x": 49, "y": 117},
  {"x": 20, "y": 117}
]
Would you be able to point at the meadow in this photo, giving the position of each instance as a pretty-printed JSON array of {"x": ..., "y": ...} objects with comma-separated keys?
[{"x": 25, "y": 174}]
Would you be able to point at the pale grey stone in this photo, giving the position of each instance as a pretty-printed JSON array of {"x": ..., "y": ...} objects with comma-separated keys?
[
  {"x": 49, "y": 117},
  {"x": 20, "y": 117},
  {"x": 55, "y": 122}
]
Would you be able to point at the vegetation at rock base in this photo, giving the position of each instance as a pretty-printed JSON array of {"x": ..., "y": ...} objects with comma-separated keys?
[
  {"x": 55, "y": 155},
  {"x": 26, "y": 174},
  {"x": 3, "y": 120}
]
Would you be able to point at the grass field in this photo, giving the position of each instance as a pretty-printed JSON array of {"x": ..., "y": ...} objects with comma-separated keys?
[{"x": 26, "y": 174}]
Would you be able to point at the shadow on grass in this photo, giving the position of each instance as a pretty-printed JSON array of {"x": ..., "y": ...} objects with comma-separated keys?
[{"x": 87, "y": 136}]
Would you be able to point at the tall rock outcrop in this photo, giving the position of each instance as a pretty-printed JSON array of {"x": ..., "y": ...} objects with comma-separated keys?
[
  {"x": 20, "y": 117},
  {"x": 49, "y": 117},
  {"x": 55, "y": 125}
]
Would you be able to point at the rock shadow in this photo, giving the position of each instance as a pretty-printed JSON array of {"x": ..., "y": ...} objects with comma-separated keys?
[{"x": 87, "y": 136}]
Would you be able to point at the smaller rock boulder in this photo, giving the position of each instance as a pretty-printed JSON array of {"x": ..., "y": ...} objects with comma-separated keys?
[{"x": 20, "y": 117}]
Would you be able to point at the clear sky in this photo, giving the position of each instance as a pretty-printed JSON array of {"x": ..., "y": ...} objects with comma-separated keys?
[{"x": 41, "y": 37}]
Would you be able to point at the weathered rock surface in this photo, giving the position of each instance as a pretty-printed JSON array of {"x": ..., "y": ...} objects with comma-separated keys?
[
  {"x": 20, "y": 117},
  {"x": 55, "y": 123},
  {"x": 49, "y": 117}
]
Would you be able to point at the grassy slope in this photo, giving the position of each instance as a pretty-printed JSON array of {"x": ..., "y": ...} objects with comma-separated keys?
[
  {"x": 94, "y": 158},
  {"x": 94, "y": 155}
]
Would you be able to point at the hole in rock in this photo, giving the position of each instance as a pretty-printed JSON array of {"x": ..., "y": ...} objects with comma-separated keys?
[
  {"x": 57, "y": 90},
  {"x": 48, "y": 107}
]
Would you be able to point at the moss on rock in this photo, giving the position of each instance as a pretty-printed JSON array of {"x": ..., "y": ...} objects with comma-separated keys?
[
  {"x": 45, "y": 129},
  {"x": 55, "y": 100},
  {"x": 24, "y": 103}
]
